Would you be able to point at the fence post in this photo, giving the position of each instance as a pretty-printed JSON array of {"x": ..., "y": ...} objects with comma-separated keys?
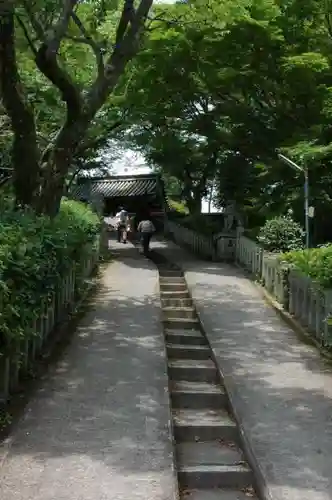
[
  {"x": 238, "y": 249},
  {"x": 24, "y": 351},
  {"x": 327, "y": 333}
]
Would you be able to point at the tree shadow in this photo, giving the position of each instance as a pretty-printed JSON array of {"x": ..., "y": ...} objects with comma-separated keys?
[
  {"x": 128, "y": 253},
  {"x": 190, "y": 261},
  {"x": 99, "y": 423},
  {"x": 281, "y": 388}
]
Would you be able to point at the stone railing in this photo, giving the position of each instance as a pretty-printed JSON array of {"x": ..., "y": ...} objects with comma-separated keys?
[
  {"x": 219, "y": 247},
  {"x": 224, "y": 247},
  {"x": 298, "y": 294},
  {"x": 312, "y": 305},
  {"x": 16, "y": 362},
  {"x": 249, "y": 254},
  {"x": 273, "y": 277},
  {"x": 308, "y": 303},
  {"x": 197, "y": 243}
]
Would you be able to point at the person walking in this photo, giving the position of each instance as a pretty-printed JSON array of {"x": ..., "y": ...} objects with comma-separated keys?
[
  {"x": 121, "y": 224},
  {"x": 146, "y": 229},
  {"x": 131, "y": 227}
]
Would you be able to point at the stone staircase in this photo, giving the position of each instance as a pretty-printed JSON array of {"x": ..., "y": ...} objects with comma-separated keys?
[{"x": 209, "y": 461}]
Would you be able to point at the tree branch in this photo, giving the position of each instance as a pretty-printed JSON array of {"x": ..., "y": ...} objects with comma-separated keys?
[
  {"x": 36, "y": 25},
  {"x": 46, "y": 57},
  {"x": 97, "y": 142},
  {"x": 328, "y": 23},
  {"x": 123, "y": 52},
  {"x": 89, "y": 41},
  {"x": 26, "y": 34},
  {"x": 55, "y": 37},
  {"x": 127, "y": 17},
  {"x": 47, "y": 63}
]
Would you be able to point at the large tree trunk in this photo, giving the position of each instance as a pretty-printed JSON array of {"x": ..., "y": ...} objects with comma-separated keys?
[
  {"x": 51, "y": 192},
  {"x": 25, "y": 148},
  {"x": 58, "y": 160},
  {"x": 39, "y": 181},
  {"x": 193, "y": 198}
]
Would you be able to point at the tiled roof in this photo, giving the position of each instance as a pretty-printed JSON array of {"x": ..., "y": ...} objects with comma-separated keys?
[{"x": 116, "y": 187}]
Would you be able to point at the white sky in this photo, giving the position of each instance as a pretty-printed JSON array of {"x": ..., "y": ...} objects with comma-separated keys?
[{"x": 133, "y": 163}]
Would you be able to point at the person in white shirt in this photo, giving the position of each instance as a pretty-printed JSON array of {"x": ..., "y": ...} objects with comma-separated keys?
[
  {"x": 131, "y": 227},
  {"x": 121, "y": 224}
]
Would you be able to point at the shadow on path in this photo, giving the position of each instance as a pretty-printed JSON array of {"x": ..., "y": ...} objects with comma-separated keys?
[
  {"x": 98, "y": 426},
  {"x": 281, "y": 387}
]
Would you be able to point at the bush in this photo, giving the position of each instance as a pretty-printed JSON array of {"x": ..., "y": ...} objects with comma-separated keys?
[
  {"x": 35, "y": 254},
  {"x": 178, "y": 206},
  {"x": 314, "y": 262},
  {"x": 281, "y": 234}
]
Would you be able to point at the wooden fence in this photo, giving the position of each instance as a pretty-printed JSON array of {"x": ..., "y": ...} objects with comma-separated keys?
[
  {"x": 299, "y": 295},
  {"x": 55, "y": 310}
]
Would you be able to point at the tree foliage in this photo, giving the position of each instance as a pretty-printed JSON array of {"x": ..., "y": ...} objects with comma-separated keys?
[
  {"x": 60, "y": 62},
  {"x": 223, "y": 85},
  {"x": 217, "y": 90}
]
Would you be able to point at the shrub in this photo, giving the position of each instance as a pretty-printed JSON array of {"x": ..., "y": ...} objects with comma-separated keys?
[
  {"x": 178, "y": 206},
  {"x": 35, "y": 254},
  {"x": 314, "y": 262},
  {"x": 281, "y": 234}
]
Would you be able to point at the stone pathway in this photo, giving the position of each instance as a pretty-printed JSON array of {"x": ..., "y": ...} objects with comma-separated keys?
[
  {"x": 280, "y": 388},
  {"x": 98, "y": 428}
]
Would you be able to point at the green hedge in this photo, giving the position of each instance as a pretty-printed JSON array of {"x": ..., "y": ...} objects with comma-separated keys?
[
  {"x": 178, "y": 206},
  {"x": 315, "y": 263},
  {"x": 35, "y": 254}
]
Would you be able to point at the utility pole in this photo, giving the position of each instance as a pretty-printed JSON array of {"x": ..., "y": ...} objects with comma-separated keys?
[{"x": 305, "y": 172}]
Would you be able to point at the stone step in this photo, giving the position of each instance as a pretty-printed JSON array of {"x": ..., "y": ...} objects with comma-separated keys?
[
  {"x": 218, "y": 494},
  {"x": 164, "y": 272},
  {"x": 197, "y": 395},
  {"x": 172, "y": 287},
  {"x": 209, "y": 453},
  {"x": 215, "y": 476},
  {"x": 193, "y": 370},
  {"x": 188, "y": 351},
  {"x": 179, "y": 313},
  {"x": 181, "y": 294},
  {"x": 175, "y": 302},
  {"x": 166, "y": 264},
  {"x": 204, "y": 425},
  {"x": 185, "y": 337},
  {"x": 171, "y": 279},
  {"x": 181, "y": 323}
]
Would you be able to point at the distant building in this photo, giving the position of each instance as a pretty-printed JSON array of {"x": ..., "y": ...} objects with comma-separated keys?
[{"x": 137, "y": 193}]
